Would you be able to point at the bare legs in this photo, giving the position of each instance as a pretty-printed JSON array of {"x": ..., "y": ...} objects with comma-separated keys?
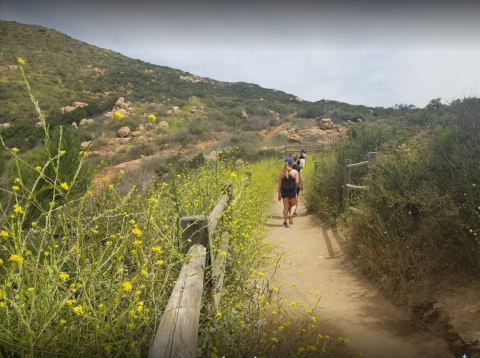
[{"x": 286, "y": 210}]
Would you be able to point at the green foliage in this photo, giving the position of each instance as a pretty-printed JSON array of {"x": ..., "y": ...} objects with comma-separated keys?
[
  {"x": 422, "y": 217},
  {"x": 65, "y": 168}
]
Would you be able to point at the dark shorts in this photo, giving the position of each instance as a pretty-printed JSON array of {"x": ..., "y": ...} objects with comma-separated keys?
[{"x": 289, "y": 194}]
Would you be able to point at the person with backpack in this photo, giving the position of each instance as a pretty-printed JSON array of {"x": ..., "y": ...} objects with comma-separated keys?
[
  {"x": 287, "y": 184},
  {"x": 299, "y": 187},
  {"x": 302, "y": 160}
]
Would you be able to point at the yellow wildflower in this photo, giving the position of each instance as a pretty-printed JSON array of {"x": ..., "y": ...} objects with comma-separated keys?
[
  {"x": 132, "y": 222},
  {"x": 31, "y": 289},
  {"x": 291, "y": 304},
  {"x": 20, "y": 61},
  {"x": 46, "y": 253},
  {"x": 62, "y": 321},
  {"x": 261, "y": 274},
  {"x": 18, "y": 209},
  {"x": 3, "y": 233},
  {"x": 15, "y": 188},
  {"x": 78, "y": 310},
  {"x": 159, "y": 262},
  {"x": 38, "y": 168},
  {"x": 118, "y": 115},
  {"x": 152, "y": 200},
  {"x": 218, "y": 315},
  {"x": 138, "y": 293},
  {"x": 16, "y": 258},
  {"x": 127, "y": 286},
  {"x": 64, "y": 186},
  {"x": 1, "y": 262},
  {"x": 137, "y": 232},
  {"x": 137, "y": 243},
  {"x": 100, "y": 305},
  {"x": 274, "y": 340},
  {"x": 61, "y": 152},
  {"x": 145, "y": 273},
  {"x": 157, "y": 249},
  {"x": 233, "y": 176},
  {"x": 15, "y": 150},
  {"x": 313, "y": 319},
  {"x": 64, "y": 276},
  {"x": 152, "y": 118},
  {"x": 34, "y": 223}
]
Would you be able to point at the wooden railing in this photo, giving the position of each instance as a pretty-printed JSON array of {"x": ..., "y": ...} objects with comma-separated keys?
[
  {"x": 177, "y": 333},
  {"x": 372, "y": 175},
  {"x": 287, "y": 148}
]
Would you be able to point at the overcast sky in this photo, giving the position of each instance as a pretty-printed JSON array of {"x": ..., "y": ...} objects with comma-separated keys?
[{"x": 375, "y": 53}]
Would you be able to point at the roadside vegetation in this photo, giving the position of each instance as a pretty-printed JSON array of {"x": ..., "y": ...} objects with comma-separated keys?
[
  {"x": 87, "y": 271},
  {"x": 421, "y": 222}
]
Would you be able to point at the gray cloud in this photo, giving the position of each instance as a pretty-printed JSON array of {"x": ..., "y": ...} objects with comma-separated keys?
[{"x": 367, "y": 52}]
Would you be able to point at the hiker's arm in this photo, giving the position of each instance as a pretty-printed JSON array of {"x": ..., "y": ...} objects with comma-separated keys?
[
  {"x": 296, "y": 179},
  {"x": 301, "y": 179},
  {"x": 279, "y": 187}
]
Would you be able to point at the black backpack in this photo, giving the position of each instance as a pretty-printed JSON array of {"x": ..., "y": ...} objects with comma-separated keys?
[{"x": 288, "y": 184}]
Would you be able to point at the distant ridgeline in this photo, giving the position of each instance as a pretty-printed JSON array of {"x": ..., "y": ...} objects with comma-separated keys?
[{"x": 63, "y": 70}]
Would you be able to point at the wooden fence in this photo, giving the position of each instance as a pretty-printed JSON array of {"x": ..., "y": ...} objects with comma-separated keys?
[
  {"x": 177, "y": 333},
  {"x": 372, "y": 175},
  {"x": 287, "y": 148}
]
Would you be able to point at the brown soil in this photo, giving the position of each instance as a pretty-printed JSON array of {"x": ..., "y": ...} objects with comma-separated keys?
[
  {"x": 351, "y": 306},
  {"x": 276, "y": 130}
]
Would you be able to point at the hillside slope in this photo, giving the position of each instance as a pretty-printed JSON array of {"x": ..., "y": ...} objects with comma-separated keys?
[{"x": 63, "y": 70}]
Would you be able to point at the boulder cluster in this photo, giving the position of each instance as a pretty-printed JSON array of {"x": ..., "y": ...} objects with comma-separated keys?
[{"x": 121, "y": 107}]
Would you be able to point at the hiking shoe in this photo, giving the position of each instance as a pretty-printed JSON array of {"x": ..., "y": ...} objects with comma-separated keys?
[
  {"x": 290, "y": 220},
  {"x": 295, "y": 214},
  {"x": 285, "y": 224}
]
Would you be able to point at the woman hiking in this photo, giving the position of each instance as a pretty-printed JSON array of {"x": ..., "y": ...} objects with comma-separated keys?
[
  {"x": 299, "y": 187},
  {"x": 287, "y": 184}
]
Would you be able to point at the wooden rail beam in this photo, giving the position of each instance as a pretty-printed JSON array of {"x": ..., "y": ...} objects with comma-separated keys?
[
  {"x": 356, "y": 187},
  {"x": 213, "y": 220},
  {"x": 358, "y": 165},
  {"x": 177, "y": 333}
]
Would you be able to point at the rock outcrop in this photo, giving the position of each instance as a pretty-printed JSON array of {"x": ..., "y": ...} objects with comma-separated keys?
[
  {"x": 85, "y": 122},
  {"x": 76, "y": 105},
  {"x": 163, "y": 125},
  {"x": 326, "y": 123},
  {"x": 123, "y": 132}
]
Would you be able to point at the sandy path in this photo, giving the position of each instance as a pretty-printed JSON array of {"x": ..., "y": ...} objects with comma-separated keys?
[{"x": 351, "y": 306}]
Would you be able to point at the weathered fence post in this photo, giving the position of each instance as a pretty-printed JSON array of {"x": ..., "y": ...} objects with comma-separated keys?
[
  {"x": 372, "y": 170},
  {"x": 194, "y": 231},
  {"x": 323, "y": 163},
  {"x": 249, "y": 175},
  {"x": 316, "y": 165},
  {"x": 346, "y": 180}
]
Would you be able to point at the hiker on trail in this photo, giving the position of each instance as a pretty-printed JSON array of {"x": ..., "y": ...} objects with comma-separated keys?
[
  {"x": 302, "y": 158},
  {"x": 287, "y": 184},
  {"x": 300, "y": 186}
]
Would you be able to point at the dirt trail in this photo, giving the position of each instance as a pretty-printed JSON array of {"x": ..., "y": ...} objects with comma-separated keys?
[
  {"x": 351, "y": 306},
  {"x": 276, "y": 130}
]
